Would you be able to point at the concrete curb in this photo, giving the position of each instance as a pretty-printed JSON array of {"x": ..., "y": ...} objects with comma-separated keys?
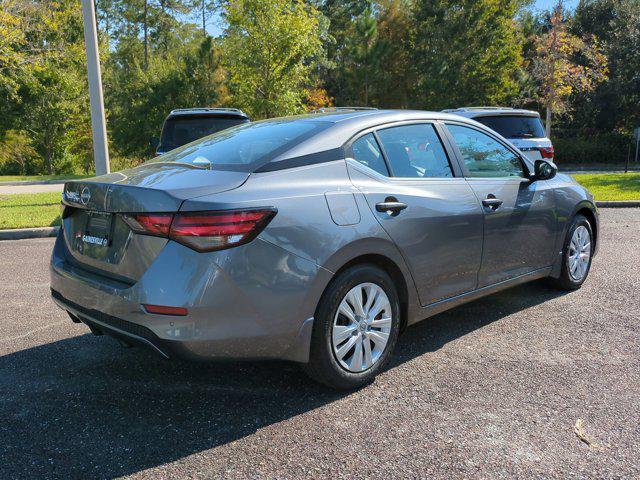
[
  {"x": 619, "y": 204},
  {"x": 21, "y": 233}
]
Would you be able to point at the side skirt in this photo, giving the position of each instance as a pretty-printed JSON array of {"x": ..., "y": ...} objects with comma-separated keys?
[{"x": 446, "y": 304}]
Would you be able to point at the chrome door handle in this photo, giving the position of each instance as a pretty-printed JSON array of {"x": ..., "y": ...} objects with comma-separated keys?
[
  {"x": 392, "y": 208},
  {"x": 492, "y": 202}
]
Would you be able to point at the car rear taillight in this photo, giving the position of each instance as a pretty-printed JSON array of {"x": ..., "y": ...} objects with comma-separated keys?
[
  {"x": 157, "y": 224},
  {"x": 204, "y": 231},
  {"x": 207, "y": 231},
  {"x": 546, "y": 152}
]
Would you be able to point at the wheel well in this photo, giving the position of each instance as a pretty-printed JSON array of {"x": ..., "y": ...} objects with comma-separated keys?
[
  {"x": 390, "y": 267},
  {"x": 589, "y": 215}
]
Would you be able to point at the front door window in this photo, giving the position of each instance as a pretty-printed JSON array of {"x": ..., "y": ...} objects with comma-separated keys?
[{"x": 484, "y": 156}]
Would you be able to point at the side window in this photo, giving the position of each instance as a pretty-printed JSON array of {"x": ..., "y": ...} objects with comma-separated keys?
[
  {"x": 415, "y": 151},
  {"x": 367, "y": 152},
  {"x": 484, "y": 156}
]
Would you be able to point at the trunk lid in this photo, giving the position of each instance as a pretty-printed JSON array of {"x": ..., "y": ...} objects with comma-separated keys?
[
  {"x": 154, "y": 187},
  {"x": 96, "y": 236}
]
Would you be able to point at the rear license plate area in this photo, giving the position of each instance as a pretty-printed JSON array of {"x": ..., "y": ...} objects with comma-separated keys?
[{"x": 98, "y": 229}]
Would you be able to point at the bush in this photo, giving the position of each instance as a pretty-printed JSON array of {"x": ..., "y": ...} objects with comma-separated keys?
[
  {"x": 580, "y": 149},
  {"x": 118, "y": 163},
  {"x": 17, "y": 155}
]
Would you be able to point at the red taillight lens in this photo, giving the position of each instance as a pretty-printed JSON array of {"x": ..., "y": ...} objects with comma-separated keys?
[
  {"x": 546, "y": 152},
  {"x": 158, "y": 224},
  {"x": 203, "y": 231},
  {"x": 207, "y": 231},
  {"x": 165, "y": 310}
]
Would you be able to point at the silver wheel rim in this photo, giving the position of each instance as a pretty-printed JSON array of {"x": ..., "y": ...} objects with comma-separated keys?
[
  {"x": 361, "y": 327},
  {"x": 579, "y": 253}
]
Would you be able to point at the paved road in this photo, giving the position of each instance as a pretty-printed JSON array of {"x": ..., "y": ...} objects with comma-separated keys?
[
  {"x": 488, "y": 390},
  {"x": 39, "y": 188}
]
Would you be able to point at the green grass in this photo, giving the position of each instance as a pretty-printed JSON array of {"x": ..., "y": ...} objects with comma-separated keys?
[
  {"x": 38, "y": 178},
  {"x": 611, "y": 186},
  {"x": 30, "y": 210}
]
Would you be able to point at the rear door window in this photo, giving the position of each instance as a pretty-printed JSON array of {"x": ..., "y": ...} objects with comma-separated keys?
[
  {"x": 415, "y": 151},
  {"x": 484, "y": 156},
  {"x": 514, "y": 126},
  {"x": 367, "y": 152}
]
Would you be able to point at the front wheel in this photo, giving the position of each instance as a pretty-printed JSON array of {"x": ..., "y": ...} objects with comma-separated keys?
[
  {"x": 355, "y": 329},
  {"x": 577, "y": 254}
]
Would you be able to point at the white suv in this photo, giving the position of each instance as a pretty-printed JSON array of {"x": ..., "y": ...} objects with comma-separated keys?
[{"x": 523, "y": 128}]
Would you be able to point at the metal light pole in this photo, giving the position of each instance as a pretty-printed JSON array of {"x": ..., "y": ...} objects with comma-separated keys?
[{"x": 98, "y": 124}]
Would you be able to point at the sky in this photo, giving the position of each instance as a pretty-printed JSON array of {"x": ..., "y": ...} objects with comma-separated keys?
[
  {"x": 547, "y": 4},
  {"x": 213, "y": 25}
]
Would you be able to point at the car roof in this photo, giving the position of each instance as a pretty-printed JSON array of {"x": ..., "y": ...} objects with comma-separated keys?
[
  {"x": 472, "y": 112},
  {"x": 347, "y": 123},
  {"x": 348, "y": 117},
  {"x": 338, "y": 127},
  {"x": 205, "y": 112}
]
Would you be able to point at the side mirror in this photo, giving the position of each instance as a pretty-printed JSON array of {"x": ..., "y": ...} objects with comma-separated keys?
[
  {"x": 154, "y": 142},
  {"x": 544, "y": 170}
]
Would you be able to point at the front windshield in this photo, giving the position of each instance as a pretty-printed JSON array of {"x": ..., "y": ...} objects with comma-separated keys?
[{"x": 244, "y": 148}]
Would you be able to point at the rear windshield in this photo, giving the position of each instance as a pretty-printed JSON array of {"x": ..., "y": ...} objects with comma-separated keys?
[
  {"x": 246, "y": 147},
  {"x": 513, "y": 126},
  {"x": 179, "y": 131}
]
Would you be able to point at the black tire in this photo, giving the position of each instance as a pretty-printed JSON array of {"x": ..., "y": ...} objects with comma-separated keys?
[
  {"x": 323, "y": 365},
  {"x": 566, "y": 281}
]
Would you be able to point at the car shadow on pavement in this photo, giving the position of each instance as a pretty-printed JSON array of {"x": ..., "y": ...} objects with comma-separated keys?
[{"x": 84, "y": 407}]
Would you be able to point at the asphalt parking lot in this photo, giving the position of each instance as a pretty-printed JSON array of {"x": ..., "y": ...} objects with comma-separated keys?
[{"x": 492, "y": 389}]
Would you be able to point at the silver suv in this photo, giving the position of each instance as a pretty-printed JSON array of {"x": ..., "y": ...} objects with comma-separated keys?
[
  {"x": 523, "y": 128},
  {"x": 184, "y": 125}
]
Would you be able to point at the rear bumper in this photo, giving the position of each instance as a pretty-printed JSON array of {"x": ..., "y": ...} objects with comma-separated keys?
[
  {"x": 112, "y": 325},
  {"x": 133, "y": 333},
  {"x": 253, "y": 302}
]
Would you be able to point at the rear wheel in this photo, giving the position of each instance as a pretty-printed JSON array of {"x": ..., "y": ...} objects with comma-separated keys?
[
  {"x": 356, "y": 328},
  {"x": 577, "y": 254}
]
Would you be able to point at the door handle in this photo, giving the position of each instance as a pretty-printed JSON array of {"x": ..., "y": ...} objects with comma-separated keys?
[
  {"x": 392, "y": 208},
  {"x": 492, "y": 202}
]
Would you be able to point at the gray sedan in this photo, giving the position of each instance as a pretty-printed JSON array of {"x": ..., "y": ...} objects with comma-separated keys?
[{"x": 315, "y": 238}]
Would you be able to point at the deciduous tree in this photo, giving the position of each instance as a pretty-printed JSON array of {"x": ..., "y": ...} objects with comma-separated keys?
[
  {"x": 466, "y": 52},
  {"x": 364, "y": 53},
  {"x": 270, "y": 47},
  {"x": 565, "y": 64}
]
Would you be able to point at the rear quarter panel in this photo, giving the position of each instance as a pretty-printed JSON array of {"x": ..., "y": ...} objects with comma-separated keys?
[{"x": 304, "y": 224}]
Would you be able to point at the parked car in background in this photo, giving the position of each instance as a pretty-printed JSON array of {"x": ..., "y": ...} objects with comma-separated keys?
[
  {"x": 315, "y": 238},
  {"x": 523, "y": 128},
  {"x": 184, "y": 125}
]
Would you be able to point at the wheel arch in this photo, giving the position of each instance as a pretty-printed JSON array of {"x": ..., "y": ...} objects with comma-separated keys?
[
  {"x": 588, "y": 212},
  {"x": 389, "y": 266}
]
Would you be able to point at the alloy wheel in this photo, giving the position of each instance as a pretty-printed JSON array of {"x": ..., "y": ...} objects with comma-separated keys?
[
  {"x": 579, "y": 253},
  {"x": 361, "y": 327}
]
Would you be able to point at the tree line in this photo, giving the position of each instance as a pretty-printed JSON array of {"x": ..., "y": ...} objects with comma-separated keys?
[{"x": 579, "y": 68}]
